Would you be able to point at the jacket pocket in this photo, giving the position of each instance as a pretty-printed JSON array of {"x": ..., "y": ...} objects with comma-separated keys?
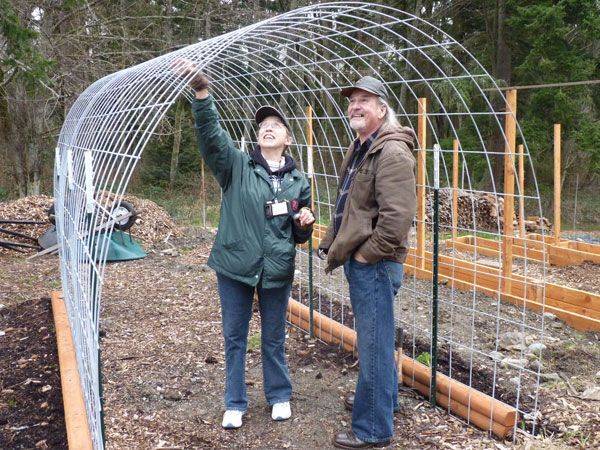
[
  {"x": 362, "y": 193},
  {"x": 236, "y": 257},
  {"x": 236, "y": 245},
  {"x": 279, "y": 265},
  {"x": 365, "y": 174},
  {"x": 351, "y": 236}
]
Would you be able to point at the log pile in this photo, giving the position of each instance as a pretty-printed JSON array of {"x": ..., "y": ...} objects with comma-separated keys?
[
  {"x": 537, "y": 224},
  {"x": 478, "y": 211}
]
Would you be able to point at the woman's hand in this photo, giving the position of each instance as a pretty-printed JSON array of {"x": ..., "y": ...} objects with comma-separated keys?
[
  {"x": 199, "y": 82},
  {"x": 305, "y": 218}
]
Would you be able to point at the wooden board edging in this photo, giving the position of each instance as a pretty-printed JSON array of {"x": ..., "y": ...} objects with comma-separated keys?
[
  {"x": 579, "y": 309},
  {"x": 76, "y": 421},
  {"x": 485, "y": 412},
  {"x": 561, "y": 254}
]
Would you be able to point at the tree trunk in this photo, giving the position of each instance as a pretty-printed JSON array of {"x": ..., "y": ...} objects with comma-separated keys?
[
  {"x": 33, "y": 169},
  {"x": 167, "y": 26},
  {"x": 19, "y": 172},
  {"x": 503, "y": 66},
  {"x": 176, "y": 145},
  {"x": 207, "y": 22},
  {"x": 502, "y": 70}
]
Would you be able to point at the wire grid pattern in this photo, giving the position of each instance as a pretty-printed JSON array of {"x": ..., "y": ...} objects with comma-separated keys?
[{"x": 294, "y": 60}]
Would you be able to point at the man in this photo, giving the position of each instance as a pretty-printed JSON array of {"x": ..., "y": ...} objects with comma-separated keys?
[{"x": 374, "y": 210}]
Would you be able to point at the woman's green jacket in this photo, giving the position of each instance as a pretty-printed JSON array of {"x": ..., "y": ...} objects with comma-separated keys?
[{"x": 249, "y": 247}]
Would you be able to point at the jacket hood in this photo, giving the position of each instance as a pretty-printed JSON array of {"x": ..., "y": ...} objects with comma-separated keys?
[
  {"x": 259, "y": 159},
  {"x": 390, "y": 133}
]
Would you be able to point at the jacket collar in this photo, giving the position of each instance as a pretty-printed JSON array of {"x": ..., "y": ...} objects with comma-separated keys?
[
  {"x": 387, "y": 133},
  {"x": 384, "y": 134},
  {"x": 257, "y": 157},
  {"x": 368, "y": 142},
  {"x": 262, "y": 170}
]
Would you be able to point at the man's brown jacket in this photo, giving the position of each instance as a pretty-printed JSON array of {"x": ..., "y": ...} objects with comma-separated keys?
[{"x": 381, "y": 203}]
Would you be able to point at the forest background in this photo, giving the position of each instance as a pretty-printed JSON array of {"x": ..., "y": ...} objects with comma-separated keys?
[{"x": 50, "y": 51}]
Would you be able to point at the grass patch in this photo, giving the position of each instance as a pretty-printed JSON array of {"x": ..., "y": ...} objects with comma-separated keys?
[
  {"x": 254, "y": 342},
  {"x": 479, "y": 234}
]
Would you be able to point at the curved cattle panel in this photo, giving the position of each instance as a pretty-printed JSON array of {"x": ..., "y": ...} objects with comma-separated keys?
[{"x": 296, "y": 60}]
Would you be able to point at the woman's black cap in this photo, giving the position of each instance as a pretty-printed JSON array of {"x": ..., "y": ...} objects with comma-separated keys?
[{"x": 265, "y": 111}]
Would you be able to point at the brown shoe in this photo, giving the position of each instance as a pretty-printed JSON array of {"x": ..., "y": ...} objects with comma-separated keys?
[
  {"x": 349, "y": 402},
  {"x": 348, "y": 439}
]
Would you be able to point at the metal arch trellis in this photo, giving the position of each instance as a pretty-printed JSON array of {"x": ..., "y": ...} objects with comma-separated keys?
[{"x": 296, "y": 60}]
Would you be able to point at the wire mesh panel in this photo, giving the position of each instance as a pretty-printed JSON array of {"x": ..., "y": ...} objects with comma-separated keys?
[{"x": 299, "y": 61}]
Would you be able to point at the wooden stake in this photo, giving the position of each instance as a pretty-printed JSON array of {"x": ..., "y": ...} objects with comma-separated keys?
[
  {"x": 510, "y": 129},
  {"x": 454, "y": 189},
  {"x": 399, "y": 354},
  {"x": 421, "y": 167},
  {"x": 521, "y": 192},
  {"x": 557, "y": 181}
]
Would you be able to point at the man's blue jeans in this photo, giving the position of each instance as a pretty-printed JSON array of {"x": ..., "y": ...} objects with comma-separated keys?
[
  {"x": 236, "y": 311},
  {"x": 372, "y": 291}
]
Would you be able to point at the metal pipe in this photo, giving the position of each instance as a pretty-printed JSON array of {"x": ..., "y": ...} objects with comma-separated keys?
[{"x": 434, "y": 300}]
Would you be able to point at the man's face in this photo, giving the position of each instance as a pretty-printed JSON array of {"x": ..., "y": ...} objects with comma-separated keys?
[
  {"x": 273, "y": 134},
  {"x": 365, "y": 111}
]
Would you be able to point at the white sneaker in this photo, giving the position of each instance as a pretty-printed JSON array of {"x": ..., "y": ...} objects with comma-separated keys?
[
  {"x": 232, "y": 419},
  {"x": 281, "y": 411}
]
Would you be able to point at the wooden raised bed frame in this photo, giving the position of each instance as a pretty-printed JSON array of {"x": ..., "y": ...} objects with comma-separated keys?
[
  {"x": 561, "y": 253},
  {"x": 476, "y": 407},
  {"x": 579, "y": 309}
]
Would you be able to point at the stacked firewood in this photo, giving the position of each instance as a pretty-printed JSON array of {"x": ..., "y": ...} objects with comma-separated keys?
[
  {"x": 478, "y": 211},
  {"x": 535, "y": 224}
]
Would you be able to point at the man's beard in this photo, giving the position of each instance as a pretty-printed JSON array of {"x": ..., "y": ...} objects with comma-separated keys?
[{"x": 358, "y": 124}]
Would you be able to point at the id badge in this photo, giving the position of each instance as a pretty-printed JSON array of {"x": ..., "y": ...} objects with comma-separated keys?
[{"x": 279, "y": 208}]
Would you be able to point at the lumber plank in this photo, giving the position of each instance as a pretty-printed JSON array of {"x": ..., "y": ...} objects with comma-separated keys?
[{"x": 78, "y": 431}]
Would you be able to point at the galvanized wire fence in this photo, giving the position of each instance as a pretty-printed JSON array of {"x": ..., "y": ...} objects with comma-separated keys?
[{"x": 298, "y": 60}]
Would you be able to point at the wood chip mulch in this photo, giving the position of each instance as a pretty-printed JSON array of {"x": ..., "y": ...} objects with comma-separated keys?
[{"x": 153, "y": 225}]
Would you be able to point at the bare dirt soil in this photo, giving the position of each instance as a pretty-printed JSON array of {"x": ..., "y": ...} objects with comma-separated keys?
[
  {"x": 163, "y": 367},
  {"x": 474, "y": 349},
  {"x": 31, "y": 411}
]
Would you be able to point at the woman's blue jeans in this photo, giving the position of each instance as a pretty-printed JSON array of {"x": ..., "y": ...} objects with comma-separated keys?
[
  {"x": 236, "y": 311},
  {"x": 372, "y": 291}
]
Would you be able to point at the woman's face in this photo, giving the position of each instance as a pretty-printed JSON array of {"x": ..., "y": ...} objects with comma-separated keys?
[{"x": 273, "y": 134}]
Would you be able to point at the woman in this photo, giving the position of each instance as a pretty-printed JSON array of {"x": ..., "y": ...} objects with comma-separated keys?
[{"x": 264, "y": 214}]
